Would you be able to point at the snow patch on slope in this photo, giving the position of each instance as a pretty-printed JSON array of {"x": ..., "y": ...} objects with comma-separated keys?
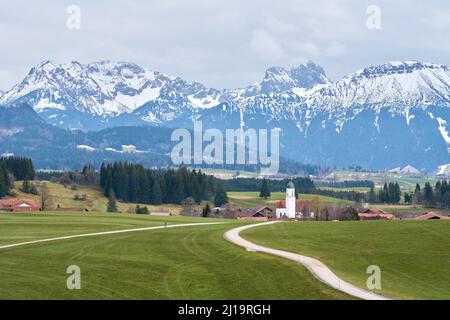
[
  {"x": 444, "y": 170},
  {"x": 443, "y": 130},
  {"x": 85, "y": 148}
]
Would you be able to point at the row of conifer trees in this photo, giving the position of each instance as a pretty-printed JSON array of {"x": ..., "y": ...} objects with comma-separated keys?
[
  {"x": 134, "y": 183},
  {"x": 14, "y": 168}
]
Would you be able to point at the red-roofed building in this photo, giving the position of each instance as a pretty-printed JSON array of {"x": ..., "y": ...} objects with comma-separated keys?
[
  {"x": 374, "y": 214},
  {"x": 431, "y": 216},
  {"x": 371, "y": 211},
  {"x": 261, "y": 213},
  {"x": 18, "y": 205}
]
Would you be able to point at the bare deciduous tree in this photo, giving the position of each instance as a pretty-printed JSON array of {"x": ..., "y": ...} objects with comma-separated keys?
[{"x": 46, "y": 201}]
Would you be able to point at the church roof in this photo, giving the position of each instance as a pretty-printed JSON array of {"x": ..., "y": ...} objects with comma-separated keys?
[
  {"x": 291, "y": 185},
  {"x": 299, "y": 204}
]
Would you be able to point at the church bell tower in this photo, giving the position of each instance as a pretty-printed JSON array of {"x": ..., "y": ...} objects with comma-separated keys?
[{"x": 290, "y": 200}]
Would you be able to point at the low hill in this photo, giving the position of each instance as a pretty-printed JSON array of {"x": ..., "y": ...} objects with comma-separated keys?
[{"x": 95, "y": 201}]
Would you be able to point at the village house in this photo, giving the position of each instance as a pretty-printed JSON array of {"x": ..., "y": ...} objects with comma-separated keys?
[
  {"x": 260, "y": 214},
  {"x": 18, "y": 205},
  {"x": 374, "y": 214}
]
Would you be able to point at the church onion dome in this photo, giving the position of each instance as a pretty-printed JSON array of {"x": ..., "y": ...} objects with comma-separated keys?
[{"x": 291, "y": 185}]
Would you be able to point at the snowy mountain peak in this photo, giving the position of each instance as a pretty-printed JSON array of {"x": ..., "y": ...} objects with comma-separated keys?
[
  {"x": 277, "y": 79},
  {"x": 100, "y": 88},
  {"x": 47, "y": 64},
  {"x": 309, "y": 74},
  {"x": 305, "y": 76},
  {"x": 397, "y": 68},
  {"x": 399, "y": 85}
]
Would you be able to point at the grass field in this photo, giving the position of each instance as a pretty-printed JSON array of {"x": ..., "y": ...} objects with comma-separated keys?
[
  {"x": 183, "y": 263},
  {"x": 20, "y": 227},
  {"x": 414, "y": 256},
  {"x": 252, "y": 199}
]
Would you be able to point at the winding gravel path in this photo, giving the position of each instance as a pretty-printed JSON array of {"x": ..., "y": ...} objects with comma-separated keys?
[
  {"x": 107, "y": 233},
  {"x": 317, "y": 268}
]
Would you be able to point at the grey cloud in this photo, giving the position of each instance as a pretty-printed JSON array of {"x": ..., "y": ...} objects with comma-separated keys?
[{"x": 223, "y": 44}]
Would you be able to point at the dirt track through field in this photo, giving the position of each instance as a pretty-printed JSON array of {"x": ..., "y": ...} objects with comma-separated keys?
[
  {"x": 317, "y": 268},
  {"x": 106, "y": 233}
]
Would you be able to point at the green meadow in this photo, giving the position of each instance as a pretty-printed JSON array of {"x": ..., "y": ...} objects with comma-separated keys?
[
  {"x": 414, "y": 256},
  {"x": 195, "y": 262},
  {"x": 173, "y": 263}
]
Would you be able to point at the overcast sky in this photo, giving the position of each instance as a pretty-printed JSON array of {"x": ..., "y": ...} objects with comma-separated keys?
[{"x": 222, "y": 43}]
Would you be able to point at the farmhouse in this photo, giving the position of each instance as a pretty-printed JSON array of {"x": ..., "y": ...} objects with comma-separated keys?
[
  {"x": 262, "y": 213},
  {"x": 374, "y": 214},
  {"x": 18, "y": 205}
]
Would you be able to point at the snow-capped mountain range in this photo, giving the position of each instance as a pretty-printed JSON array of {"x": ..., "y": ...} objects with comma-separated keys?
[
  {"x": 366, "y": 115},
  {"x": 109, "y": 89},
  {"x": 101, "y": 88}
]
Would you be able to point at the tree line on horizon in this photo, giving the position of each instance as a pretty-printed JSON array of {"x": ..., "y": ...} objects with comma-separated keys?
[{"x": 437, "y": 197}]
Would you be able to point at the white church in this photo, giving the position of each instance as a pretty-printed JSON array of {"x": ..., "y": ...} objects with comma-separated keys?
[{"x": 291, "y": 208}]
